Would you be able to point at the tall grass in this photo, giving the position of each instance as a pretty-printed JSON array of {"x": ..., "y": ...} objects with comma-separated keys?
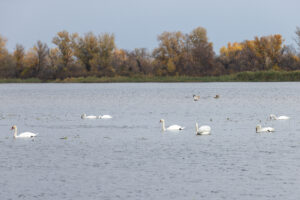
[{"x": 263, "y": 76}]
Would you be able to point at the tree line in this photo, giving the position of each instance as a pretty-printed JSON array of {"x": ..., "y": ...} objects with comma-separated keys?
[{"x": 177, "y": 54}]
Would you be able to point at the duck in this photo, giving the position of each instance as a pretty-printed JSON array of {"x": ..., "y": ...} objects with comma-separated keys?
[
  {"x": 196, "y": 97},
  {"x": 22, "y": 135},
  {"x": 203, "y": 130},
  {"x": 260, "y": 129},
  {"x": 274, "y": 117},
  {"x": 217, "y": 96},
  {"x": 105, "y": 117},
  {"x": 170, "y": 128},
  {"x": 84, "y": 116}
]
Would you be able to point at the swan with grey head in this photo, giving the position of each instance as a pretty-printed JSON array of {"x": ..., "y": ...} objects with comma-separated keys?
[{"x": 196, "y": 97}]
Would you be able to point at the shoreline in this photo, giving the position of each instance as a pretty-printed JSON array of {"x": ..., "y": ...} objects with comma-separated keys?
[{"x": 258, "y": 76}]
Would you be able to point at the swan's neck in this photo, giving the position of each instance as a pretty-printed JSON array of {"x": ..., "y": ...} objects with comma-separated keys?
[
  {"x": 197, "y": 128},
  {"x": 15, "y": 133},
  {"x": 163, "y": 126}
]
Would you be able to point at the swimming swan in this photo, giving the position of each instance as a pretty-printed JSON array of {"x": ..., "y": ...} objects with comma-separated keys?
[
  {"x": 203, "y": 130},
  {"x": 196, "y": 98},
  {"x": 84, "y": 116},
  {"x": 259, "y": 129},
  {"x": 105, "y": 117},
  {"x": 22, "y": 135},
  {"x": 170, "y": 128},
  {"x": 279, "y": 118}
]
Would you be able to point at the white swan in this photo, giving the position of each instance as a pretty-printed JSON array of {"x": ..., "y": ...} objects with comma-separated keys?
[
  {"x": 170, "y": 128},
  {"x": 105, "y": 117},
  {"x": 22, "y": 135},
  {"x": 203, "y": 130},
  {"x": 259, "y": 129},
  {"x": 279, "y": 118},
  {"x": 84, "y": 116},
  {"x": 196, "y": 98}
]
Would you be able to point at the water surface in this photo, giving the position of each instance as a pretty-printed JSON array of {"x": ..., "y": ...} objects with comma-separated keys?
[{"x": 129, "y": 157}]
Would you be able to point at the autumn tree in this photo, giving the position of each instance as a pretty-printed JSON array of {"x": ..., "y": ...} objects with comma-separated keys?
[
  {"x": 201, "y": 52},
  {"x": 168, "y": 55},
  {"x": 63, "y": 40},
  {"x": 86, "y": 48},
  {"x": 143, "y": 60},
  {"x": 41, "y": 51},
  {"x": 18, "y": 56},
  {"x": 102, "y": 61},
  {"x": 268, "y": 50},
  {"x": 262, "y": 53},
  {"x": 7, "y": 66},
  {"x": 298, "y": 36}
]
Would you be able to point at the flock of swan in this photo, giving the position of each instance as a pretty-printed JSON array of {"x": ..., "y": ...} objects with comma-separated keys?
[
  {"x": 202, "y": 130},
  {"x": 206, "y": 130},
  {"x": 31, "y": 135}
]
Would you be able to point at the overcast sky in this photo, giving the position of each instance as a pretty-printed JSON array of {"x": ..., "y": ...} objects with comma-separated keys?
[{"x": 137, "y": 23}]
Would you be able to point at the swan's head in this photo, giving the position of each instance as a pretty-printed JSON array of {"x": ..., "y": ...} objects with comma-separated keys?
[
  {"x": 13, "y": 127},
  {"x": 162, "y": 120},
  {"x": 83, "y": 116},
  {"x": 258, "y": 127}
]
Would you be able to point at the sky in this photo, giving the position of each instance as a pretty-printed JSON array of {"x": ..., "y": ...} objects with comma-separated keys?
[{"x": 137, "y": 23}]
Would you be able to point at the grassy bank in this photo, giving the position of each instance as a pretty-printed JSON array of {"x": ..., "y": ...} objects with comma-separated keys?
[{"x": 263, "y": 76}]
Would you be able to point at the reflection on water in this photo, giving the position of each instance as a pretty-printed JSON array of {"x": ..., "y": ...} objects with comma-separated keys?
[{"x": 128, "y": 157}]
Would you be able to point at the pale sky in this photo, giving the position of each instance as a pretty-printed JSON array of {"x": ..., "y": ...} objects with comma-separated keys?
[{"x": 137, "y": 23}]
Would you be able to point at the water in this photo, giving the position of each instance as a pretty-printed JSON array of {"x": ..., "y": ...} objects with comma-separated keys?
[{"x": 128, "y": 157}]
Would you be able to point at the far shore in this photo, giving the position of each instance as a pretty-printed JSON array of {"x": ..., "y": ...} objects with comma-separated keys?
[{"x": 259, "y": 76}]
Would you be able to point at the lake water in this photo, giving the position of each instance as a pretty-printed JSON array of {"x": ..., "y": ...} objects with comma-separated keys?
[{"x": 129, "y": 157}]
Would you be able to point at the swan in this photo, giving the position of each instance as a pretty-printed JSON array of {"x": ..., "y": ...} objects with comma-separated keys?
[
  {"x": 196, "y": 98},
  {"x": 259, "y": 129},
  {"x": 22, "y": 135},
  {"x": 105, "y": 117},
  {"x": 279, "y": 118},
  {"x": 84, "y": 116},
  {"x": 170, "y": 128},
  {"x": 203, "y": 130}
]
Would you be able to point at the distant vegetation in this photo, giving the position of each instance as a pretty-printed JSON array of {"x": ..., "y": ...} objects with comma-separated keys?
[
  {"x": 178, "y": 57},
  {"x": 265, "y": 76}
]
